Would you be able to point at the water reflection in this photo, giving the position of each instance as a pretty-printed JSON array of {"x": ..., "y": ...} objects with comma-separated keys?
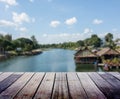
[
  {"x": 92, "y": 68},
  {"x": 85, "y": 68}
]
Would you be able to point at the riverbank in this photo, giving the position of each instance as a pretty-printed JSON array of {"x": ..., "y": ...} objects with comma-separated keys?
[
  {"x": 33, "y": 52},
  {"x": 18, "y": 53},
  {"x": 3, "y": 57},
  {"x": 10, "y": 54}
]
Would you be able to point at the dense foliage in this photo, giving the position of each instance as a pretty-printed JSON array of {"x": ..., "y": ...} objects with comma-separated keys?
[
  {"x": 24, "y": 44},
  {"x": 112, "y": 62}
]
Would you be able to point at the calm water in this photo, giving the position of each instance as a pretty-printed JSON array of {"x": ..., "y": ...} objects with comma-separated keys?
[{"x": 55, "y": 60}]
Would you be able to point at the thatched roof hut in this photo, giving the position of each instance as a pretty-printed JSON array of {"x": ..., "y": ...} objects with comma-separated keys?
[
  {"x": 107, "y": 51},
  {"x": 85, "y": 56},
  {"x": 118, "y": 50}
]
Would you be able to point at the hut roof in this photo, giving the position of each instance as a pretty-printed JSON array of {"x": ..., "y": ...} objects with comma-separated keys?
[
  {"x": 118, "y": 50},
  {"x": 85, "y": 53},
  {"x": 107, "y": 51}
]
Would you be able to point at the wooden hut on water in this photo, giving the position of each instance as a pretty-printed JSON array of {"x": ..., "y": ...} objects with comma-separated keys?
[
  {"x": 108, "y": 53},
  {"x": 85, "y": 56}
]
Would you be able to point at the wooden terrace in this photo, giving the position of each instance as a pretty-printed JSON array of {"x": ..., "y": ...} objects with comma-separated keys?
[{"x": 70, "y": 85}]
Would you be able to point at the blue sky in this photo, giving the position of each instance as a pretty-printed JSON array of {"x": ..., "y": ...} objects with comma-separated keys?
[{"x": 55, "y": 21}]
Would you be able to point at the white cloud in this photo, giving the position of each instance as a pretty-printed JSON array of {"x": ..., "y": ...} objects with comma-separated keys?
[
  {"x": 54, "y": 23},
  {"x": 6, "y": 23},
  {"x": 31, "y": 0},
  {"x": 71, "y": 21},
  {"x": 9, "y": 2},
  {"x": 23, "y": 29},
  {"x": 97, "y": 21},
  {"x": 87, "y": 30},
  {"x": 20, "y": 18},
  {"x": 61, "y": 37},
  {"x": 17, "y": 22}
]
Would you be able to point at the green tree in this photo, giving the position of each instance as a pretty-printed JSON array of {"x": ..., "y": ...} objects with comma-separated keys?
[
  {"x": 34, "y": 40},
  {"x": 5, "y": 43},
  {"x": 1, "y": 36},
  {"x": 109, "y": 40},
  {"x": 80, "y": 43},
  {"x": 22, "y": 42},
  {"x": 28, "y": 47},
  {"x": 109, "y": 37},
  {"x": 87, "y": 42},
  {"x": 8, "y": 37},
  {"x": 95, "y": 41}
]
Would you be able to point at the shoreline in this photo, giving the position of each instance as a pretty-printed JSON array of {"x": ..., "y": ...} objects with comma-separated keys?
[
  {"x": 10, "y": 54},
  {"x": 3, "y": 57}
]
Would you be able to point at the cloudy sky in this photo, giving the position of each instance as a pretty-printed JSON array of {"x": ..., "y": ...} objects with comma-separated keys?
[{"x": 54, "y": 21}]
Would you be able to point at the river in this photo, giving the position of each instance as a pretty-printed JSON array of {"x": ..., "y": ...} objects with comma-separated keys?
[{"x": 54, "y": 60}]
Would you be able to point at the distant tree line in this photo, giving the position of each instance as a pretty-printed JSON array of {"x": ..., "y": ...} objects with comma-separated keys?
[
  {"x": 94, "y": 41},
  {"x": 27, "y": 44}
]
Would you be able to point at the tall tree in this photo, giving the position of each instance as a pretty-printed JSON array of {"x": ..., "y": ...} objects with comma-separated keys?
[
  {"x": 8, "y": 37},
  {"x": 109, "y": 37},
  {"x": 1, "y": 36},
  {"x": 96, "y": 41},
  {"x": 34, "y": 41},
  {"x": 80, "y": 43},
  {"x": 109, "y": 40}
]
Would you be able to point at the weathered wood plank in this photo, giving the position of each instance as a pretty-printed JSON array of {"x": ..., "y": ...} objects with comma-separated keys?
[
  {"x": 115, "y": 74},
  {"x": 11, "y": 91},
  {"x": 4, "y": 75},
  {"x": 1, "y": 73},
  {"x": 62, "y": 85},
  {"x": 29, "y": 90},
  {"x": 111, "y": 79},
  {"x": 75, "y": 88},
  {"x": 8, "y": 81},
  {"x": 60, "y": 90},
  {"x": 45, "y": 89},
  {"x": 104, "y": 86},
  {"x": 91, "y": 89}
]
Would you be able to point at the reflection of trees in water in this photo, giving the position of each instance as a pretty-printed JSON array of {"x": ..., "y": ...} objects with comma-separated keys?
[
  {"x": 85, "y": 67},
  {"x": 91, "y": 68}
]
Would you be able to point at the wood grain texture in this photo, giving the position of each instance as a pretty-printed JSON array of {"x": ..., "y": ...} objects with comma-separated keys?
[
  {"x": 75, "y": 88},
  {"x": 8, "y": 81},
  {"x": 60, "y": 90},
  {"x": 111, "y": 79},
  {"x": 104, "y": 86},
  {"x": 70, "y": 85},
  {"x": 29, "y": 90},
  {"x": 11, "y": 91},
  {"x": 5, "y": 75},
  {"x": 91, "y": 89},
  {"x": 45, "y": 89},
  {"x": 115, "y": 74}
]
